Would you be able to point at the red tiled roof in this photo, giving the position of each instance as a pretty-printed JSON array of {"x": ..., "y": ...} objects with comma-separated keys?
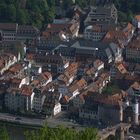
[
  {"x": 98, "y": 62},
  {"x": 115, "y": 35},
  {"x": 135, "y": 43},
  {"x": 46, "y": 75},
  {"x": 66, "y": 98},
  {"x": 16, "y": 68},
  {"x": 82, "y": 83},
  {"x": 122, "y": 69},
  {"x": 91, "y": 71},
  {"x": 73, "y": 66},
  {"x": 26, "y": 90}
]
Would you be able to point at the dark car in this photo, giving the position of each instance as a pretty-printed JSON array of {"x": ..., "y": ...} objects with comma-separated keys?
[{"x": 17, "y": 118}]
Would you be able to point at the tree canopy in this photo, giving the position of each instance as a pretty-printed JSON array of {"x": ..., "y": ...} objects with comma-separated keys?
[
  {"x": 62, "y": 133},
  {"x": 4, "y": 134},
  {"x": 35, "y": 12},
  {"x": 41, "y": 12}
]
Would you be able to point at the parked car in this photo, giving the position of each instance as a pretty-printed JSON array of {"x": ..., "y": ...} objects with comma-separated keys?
[
  {"x": 131, "y": 138},
  {"x": 17, "y": 118}
]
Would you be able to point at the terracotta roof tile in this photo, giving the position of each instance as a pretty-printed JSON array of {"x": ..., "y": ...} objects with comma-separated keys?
[
  {"x": 26, "y": 90},
  {"x": 46, "y": 75},
  {"x": 66, "y": 98},
  {"x": 91, "y": 71},
  {"x": 17, "y": 67},
  {"x": 114, "y": 35},
  {"x": 82, "y": 83}
]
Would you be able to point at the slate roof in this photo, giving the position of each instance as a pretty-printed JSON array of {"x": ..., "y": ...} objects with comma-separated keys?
[{"x": 88, "y": 45}]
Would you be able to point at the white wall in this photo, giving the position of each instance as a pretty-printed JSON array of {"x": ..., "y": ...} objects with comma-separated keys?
[
  {"x": 57, "y": 109},
  {"x": 139, "y": 25},
  {"x": 24, "y": 81}
]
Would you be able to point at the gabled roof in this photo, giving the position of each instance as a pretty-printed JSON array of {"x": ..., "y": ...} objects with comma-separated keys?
[
  {"x": 115, "y": 36},
  {"x": 46, "y": 75},
  {"x": 15, "y": 81},
  {"x": 78, "y": 85},
  {"x": 4, "y": 58},
  {"x": 26, "y": 90},
  {"x": 91, "y": 71},
  {"x": 35, "y": 83},
  {"x": 41, "y": 78},
  {"x": 46, "y": 88},
  {"x": 137, "y": 17},
  {"x": 16, "y": 68},
  {"x": 8, "y": 26},
  {"x": 98, "y": 63},
  {"x": 97, "y": 28},
  {"x": 67, "y": 27},
  {"x": 27, "y": 28},
  {"x": 51, "y": 59},
  {"x": 136, "y": 86},
  {"x": 73, "y": 67},
  {"x": 128, "y": 29},
  {"x": 113, "y": 100},
  {"x": 134, "y": 44},
  {"x": 81, "y": 84},
  {"x": 122, "y": 69}
]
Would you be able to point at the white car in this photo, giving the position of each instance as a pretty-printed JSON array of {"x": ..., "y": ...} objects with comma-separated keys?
[{"x": 131, "y": 138}]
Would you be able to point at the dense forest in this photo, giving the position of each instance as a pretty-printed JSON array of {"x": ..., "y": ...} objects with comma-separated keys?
[{"x": 40, "y": 12}]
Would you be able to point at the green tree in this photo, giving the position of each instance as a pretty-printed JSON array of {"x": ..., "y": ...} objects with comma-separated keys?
[
  {"x": 129, "y": 15},
  {"x": 62, "y": 133},
  {"x": 43, "y": 5},
  {"x": 21, "y": 16},
  {"x": 10, "y": 1},
  {"x": 11, "y": 12},
  {"x": 50, "y": 15},
  {"x": 67, "y": 4},
  {"x": 41, "y": 12},
  {"x": 4, "y": 134},
  {"x": 3, "y": 12},
  {"x": 122, "y": 17},
  {"x": 82, "y": 3}
]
